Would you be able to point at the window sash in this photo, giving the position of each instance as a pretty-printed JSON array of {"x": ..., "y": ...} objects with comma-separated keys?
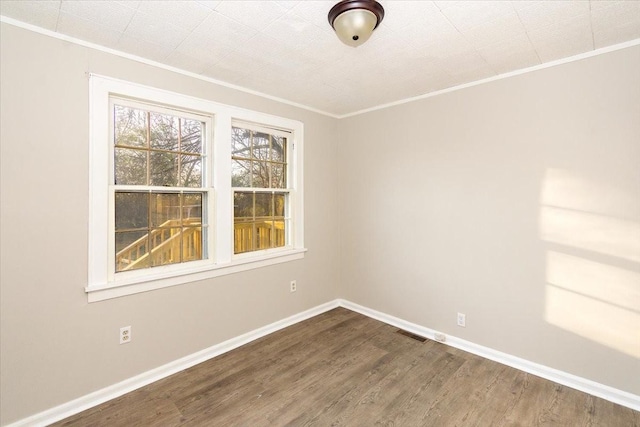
[
  {"x": 148, "y": 107},
  {"x": 204, "y": 189},
  {"x": 250, "y": 234},
  {"x": 250, "y": 160},
  {"x": 161, "y": 239},
  {"x": 268, "y": 230}
]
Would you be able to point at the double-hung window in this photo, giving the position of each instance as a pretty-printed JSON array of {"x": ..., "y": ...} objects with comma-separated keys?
[
  {"x": 184, "y": 189},
  {"x": 260, "y": 192},
  {"x": 160, "y": 197}
]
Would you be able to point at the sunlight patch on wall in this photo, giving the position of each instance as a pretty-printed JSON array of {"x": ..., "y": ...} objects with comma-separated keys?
[
  {"x": 595, "y": 320},
  {"x": 587, "y": 295},
  {"x": 568, "y": 190},
  {"x": 600, "y": 281},
  {"x": 598, "y": 233},
  {"x": 594, "y": 300}
]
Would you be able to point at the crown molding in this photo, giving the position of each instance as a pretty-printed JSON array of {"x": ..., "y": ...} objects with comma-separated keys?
[{"x": 579, "y": 57}]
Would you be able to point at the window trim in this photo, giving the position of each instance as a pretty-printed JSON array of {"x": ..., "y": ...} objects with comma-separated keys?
[{"x": 221, "y": 259}]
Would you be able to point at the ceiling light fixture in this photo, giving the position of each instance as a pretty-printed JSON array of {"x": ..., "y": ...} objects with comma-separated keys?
[{"x": 355, "y": 20}]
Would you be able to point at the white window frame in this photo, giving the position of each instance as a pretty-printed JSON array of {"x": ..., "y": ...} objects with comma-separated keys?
[
  {"x": 103, "y": 282},
  {"x": 290, "y": 225},
  {"x": 207, "y": 189}
]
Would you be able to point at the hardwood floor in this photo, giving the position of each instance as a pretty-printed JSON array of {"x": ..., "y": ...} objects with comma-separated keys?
[{"x": 344, "y": 369}]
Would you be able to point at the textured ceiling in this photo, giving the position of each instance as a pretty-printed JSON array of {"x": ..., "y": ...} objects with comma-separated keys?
[{"x": 286, "y": 49}]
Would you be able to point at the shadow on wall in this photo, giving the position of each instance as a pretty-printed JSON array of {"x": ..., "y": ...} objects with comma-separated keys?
[{"x": 593, "y": 261}]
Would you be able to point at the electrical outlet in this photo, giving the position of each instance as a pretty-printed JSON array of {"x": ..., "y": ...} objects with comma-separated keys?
[
  {"x": 294, "y": 286},
  {"x": 440, "y": 337},
  {"x": 462, "y": 319},
  {"x": 125, "y": 334}
]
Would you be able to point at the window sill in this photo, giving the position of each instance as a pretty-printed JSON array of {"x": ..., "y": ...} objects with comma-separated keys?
[{"x": 151, "y": 282}]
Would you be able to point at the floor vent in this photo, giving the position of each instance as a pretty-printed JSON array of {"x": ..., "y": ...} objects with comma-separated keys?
[{"x": 410, "y": 335}]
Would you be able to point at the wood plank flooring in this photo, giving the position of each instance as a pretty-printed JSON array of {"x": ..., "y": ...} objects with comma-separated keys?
[{"x": 344, "y": 369}]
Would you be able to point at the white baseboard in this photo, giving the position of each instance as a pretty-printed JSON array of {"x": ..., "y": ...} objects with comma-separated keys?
[
  {"x": 582, "y": 384},
  {"x": 93, "y": 399}
]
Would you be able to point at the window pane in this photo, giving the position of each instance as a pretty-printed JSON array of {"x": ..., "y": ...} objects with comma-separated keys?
[
  {"x": 191, "y": 171},
  {"x": 260, "y": 175},
  {"x": 165, "y": 210},
  {"x": 130, "y": 167},
  {"x": 163, "y": 132},
  {"x": 164, "y": 169},
  {"x": 263, "y": 235},
  {"x": 261, "y": 147},
  {"x": 191, "y": 243},
  {"x": 166, "y": 246},
  {"x": 279, "y": 234},
  {"x": 130, "y": 126},
  {"x": 278, "y": 147},
  {"x": 240, "y": 143},
  {"x": 132, "y": 210},
  {"x": 243, "y": 205},
  {"x": 279, "y": 200},
  {"x": 243, "y": 237},
  {"x": 191, "y": 136},
  {"x": 263, "y": 205},
  {"x": 132, "y": 250},
  {"x": 192, "y": 209},
  {"x": 278, "y": 174},
  {"x": 240, "y": 173}
]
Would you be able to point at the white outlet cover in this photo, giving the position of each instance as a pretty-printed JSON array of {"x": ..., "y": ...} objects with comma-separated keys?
[
  {"x": 125, "y": 335},
  {"x": 462, "y": 319}
]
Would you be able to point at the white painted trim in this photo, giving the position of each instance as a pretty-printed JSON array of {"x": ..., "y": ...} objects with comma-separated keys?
[
  {"x": 103, "y": 282},
  {"x": 151, "y": 282},
  {"x": 121, "y": 54},
  {"x": 542, "y": 66},
  {"x": 611, "y": 394},
  {"x": 70, "y": 39},
  {"x": 83, "y": 403},
  {"x": 111, "y": 392}
]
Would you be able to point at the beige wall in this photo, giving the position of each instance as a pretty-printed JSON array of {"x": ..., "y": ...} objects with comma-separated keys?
[
  {"x": 515, "y": 202},
  {"x": 56, "y": 346}
]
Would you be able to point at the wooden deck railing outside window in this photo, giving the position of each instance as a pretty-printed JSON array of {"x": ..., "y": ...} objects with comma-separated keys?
[
  {"x": 169, "y": 244},
  {"x": 172, "y": 244}
]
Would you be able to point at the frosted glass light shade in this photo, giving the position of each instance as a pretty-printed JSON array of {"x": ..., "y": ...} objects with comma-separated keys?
[{"x": 354, "y": 27}]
